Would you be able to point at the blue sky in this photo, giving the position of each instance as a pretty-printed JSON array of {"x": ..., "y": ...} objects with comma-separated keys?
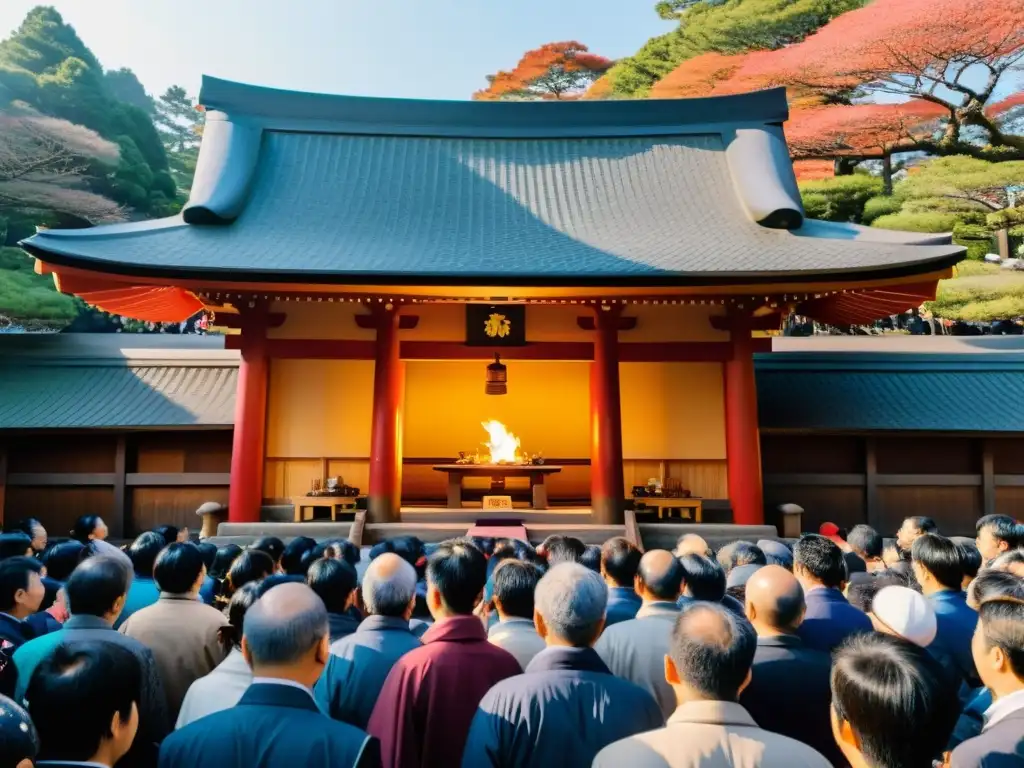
[{"x": 438, "y": 49}]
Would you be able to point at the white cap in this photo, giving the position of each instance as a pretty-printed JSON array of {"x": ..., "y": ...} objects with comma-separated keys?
[{"x": 907, "y": 613}]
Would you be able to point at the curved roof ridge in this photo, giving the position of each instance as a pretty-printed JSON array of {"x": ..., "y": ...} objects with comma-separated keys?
[{"x": 286, "y": 109}]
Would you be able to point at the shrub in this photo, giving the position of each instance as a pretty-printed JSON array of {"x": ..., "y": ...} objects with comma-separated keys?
[
  {"x": 918, "y": 222},
  {"x": 881, "y": 205}
]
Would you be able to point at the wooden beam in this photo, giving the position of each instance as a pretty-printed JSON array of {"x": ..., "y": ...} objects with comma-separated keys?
[
  {"x": 815, "y": 479},
  {"x": 235, "y": 320},
  {"x": 119, "y": 511},
  {"x": 588, "y": 323},
  {"x": 943, "y": 480},
  {"x": 675, "y": 352},
  {"x": 135, "y": 479},
  {"x": 872, "y": 509},
  {"x": 988, "y": 479},
  {"x": 1008, "y": 481},
  {"x": 405, "y": 322},
  {"x": 66, "y": 479},
  {"x": 456, "y": 350},
  {"x": 637, "y": 352}
]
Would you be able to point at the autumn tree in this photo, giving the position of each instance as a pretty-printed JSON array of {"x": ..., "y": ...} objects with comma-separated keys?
[
  {"x": 553, "y": 71},
  {"x": 947, "y": 53},
  {"x": 42, "y": 162}
]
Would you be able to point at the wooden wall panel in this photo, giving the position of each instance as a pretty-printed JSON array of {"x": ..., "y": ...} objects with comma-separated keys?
[
  {"x": 57, "y": 508},
  {"x": 150, "y": 507},
  {"x": 1007, "y": 455},
  {"x": 200, "y": 451},
  {"x": 672, "y": 410},
  {"x": 355, "y": 472},
  {"x": 953, "y": 508},
  {"x": 62, "y": 453},
  {"x": 788, "y": 454},
  {"x": 842, "y": 505},
  {"x": 928, "y": 455},
  {"x": 319, "y": 408},
  {"x": 1010, "y": 501},
  {"x": 290, "y": 477},
  {"x": 706, "y": 479}
]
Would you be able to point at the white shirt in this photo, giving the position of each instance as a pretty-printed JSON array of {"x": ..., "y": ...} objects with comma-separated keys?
[
  {"x": 219, "y": 690},
  {"x": 519, "y": 637},
  {"x": 1003, "y": 707}
]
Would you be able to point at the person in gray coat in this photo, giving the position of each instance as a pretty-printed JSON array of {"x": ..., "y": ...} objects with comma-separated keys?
[
  {"x": 567, "y": 706},
  {"x": 360, "y": 662}
]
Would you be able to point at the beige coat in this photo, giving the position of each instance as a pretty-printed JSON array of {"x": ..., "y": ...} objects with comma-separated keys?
[
  {"x": 182, "y": 633},
  {"x": 709, "y": 734},
  {"x": 635, "y": 650},
  {"x": 519, "y": 637}
]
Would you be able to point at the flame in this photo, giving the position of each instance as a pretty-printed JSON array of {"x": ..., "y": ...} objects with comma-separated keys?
[{"x": 503, "y": 445}]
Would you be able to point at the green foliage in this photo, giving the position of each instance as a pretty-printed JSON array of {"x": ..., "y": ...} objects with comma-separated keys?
[
  {"x": 181, "y": 126},
  {"x": 1006, "y": 218},
  {"x": 30, "y": 298},
  {"x": 980, "y": 292},
  {"x": 841, "y": 198},
  {"x": 729, "y": 27},
  {"x": 930, "y": 221},
  {"x": 124, "y": 86},
  {"x": 880, "y": 205}
]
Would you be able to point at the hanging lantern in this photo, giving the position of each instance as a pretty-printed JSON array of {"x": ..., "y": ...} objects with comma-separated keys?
[{"x": 497, "y": 378}]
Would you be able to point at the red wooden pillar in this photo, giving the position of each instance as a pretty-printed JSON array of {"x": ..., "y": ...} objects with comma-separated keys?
[
  {"x": 245, "y": 496},
  {"x": 742, "y": 439},
  {"x": 386, "y": 436},
  {"x": 607, "y": 491}
]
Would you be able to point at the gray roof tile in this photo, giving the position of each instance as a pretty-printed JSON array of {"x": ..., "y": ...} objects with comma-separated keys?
[{"x": 102, "y": 395}]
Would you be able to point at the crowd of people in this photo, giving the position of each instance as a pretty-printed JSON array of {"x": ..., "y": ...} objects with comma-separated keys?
[{"x": 833, "y": 650}]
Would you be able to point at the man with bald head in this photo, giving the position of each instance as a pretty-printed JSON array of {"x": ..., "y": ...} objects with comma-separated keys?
[
  {"x": 789, "y": 691},
  {"x": 692, "y": 544},
  {"x": 360, "y": 662},
  {"x": 277, "y": 723},
  {"x": 708, "y": 665},
  {"x": 635, "y": 649}
]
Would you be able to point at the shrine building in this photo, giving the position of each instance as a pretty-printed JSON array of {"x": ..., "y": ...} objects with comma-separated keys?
[{"x": 372, "y": 258}]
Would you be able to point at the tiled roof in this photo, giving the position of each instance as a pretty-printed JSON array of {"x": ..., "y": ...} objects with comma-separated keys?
[
  {"x": 300, "y": 187},
  {"x": 840, "y": 391},
  {"x": 67, "y": 383}
]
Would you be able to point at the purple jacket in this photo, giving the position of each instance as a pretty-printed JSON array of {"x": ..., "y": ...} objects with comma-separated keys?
[{"x": 425, "y": 708}]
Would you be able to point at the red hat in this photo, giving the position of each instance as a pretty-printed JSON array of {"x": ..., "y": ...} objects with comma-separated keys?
[{"x": 831, "y": 531}]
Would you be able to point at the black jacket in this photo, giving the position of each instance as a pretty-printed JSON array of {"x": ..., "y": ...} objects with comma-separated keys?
[
  {"x": 790, "y": 694},
  {"x": 272, "y": 726}
]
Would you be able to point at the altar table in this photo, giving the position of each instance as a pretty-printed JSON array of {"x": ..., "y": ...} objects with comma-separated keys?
[{"x": 537, "y": 473}]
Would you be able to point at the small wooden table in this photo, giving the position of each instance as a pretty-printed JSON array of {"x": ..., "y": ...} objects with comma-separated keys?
[
  {"x": 663, "y": 503},
  {"x": 312, "y": 502},
  {"x": 537, "y": 473}
]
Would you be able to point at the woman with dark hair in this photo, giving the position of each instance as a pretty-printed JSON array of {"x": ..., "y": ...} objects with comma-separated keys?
[
  {"x": 88, "y": 528},
  {"x": 292, "y": 557},
  {"x": 251, "y": 565},
  {"x": 893, "y": 706},
  {"x": 60, "y": 560},
  {"x": 224, "y": 686},
  {"x": 15, "y": 544},
  {"x": 215, "y": 583},
  {"x": 34, "y": 530},
  {"x": 172, "y": 533}
]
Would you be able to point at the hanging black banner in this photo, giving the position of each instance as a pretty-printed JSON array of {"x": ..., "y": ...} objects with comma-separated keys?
[{"x": 495, "y": 325}]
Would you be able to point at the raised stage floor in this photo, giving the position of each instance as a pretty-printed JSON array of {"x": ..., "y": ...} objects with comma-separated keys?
[{"x": 434, "y": 524}]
